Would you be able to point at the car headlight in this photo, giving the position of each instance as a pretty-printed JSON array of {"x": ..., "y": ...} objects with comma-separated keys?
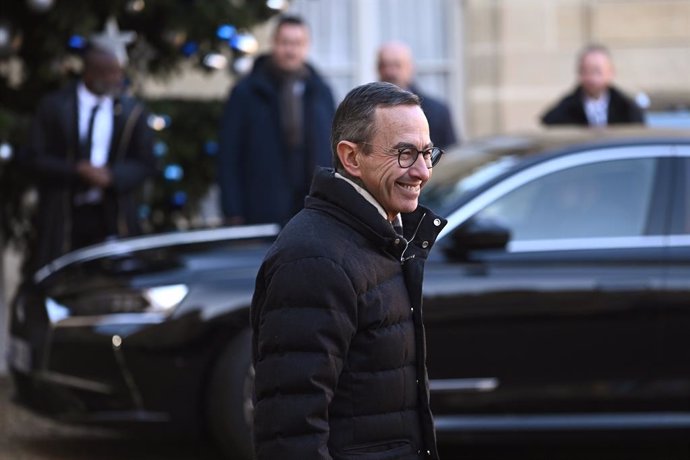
[
  {"x": 159, "y": 299},
  {"x": 165, "y": 298}
]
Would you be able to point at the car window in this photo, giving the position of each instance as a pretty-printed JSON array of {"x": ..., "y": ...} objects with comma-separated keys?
[
  {"x": 681, "y": 196},
  {"x": 602, "y": 199}
]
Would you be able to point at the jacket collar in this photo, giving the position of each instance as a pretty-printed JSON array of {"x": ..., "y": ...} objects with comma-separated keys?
[{"x": 339, "y": 199}]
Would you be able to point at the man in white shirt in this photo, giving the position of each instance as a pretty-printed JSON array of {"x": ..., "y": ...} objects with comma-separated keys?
[
  {"x": 90, "y": 149},
  {"x": 595, "y": 101}
]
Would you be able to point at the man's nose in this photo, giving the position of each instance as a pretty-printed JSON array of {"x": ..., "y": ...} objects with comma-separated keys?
[{"x": 420, "y": 169}]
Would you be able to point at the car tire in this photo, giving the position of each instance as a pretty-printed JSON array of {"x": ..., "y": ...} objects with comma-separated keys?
[{"x": 229, "y": 406}]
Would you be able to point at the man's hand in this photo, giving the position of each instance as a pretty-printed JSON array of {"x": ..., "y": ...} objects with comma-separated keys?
[{"x": 97, "y": 176}]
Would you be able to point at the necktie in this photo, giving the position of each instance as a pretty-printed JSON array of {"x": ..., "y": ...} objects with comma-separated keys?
[{"x": 88, "y": 141}]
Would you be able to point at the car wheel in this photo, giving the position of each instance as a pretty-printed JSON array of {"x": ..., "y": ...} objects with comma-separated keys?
[{"x": 229, "y": 407}]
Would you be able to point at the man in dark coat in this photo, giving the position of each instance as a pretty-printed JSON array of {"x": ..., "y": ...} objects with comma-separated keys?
[
  {"x": 338, "y": 341},
  {"x": 395, "y": 65},
  {"x": 90, "y": 149},
  {"x": 595, "y": 101},
  {"x": 274, "y": 131}
]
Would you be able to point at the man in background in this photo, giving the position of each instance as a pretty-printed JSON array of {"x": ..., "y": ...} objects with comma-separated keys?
[
  {"x": 395, "y": 65},
  {"x": 90, "y": 150},
  {"x": 595, "y": 101},
  {"x": 274, "y": 131}
]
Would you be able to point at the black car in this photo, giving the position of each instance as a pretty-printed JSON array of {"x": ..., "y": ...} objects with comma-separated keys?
[{"x": 557, "y": 299}]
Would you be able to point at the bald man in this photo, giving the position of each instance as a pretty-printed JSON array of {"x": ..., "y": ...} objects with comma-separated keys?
[
  {"x": 396, "y": 65},
  {"x": 595, "y": 101}
]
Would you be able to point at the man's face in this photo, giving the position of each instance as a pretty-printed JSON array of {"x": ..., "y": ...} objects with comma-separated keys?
[
  {"x": 395, "y": 188},
  {"x": 595, "y": 73},
  {"x": 290, "y": 47},
  {"x": 395, "y": 65},
  {"x": 103, "y": 74}
]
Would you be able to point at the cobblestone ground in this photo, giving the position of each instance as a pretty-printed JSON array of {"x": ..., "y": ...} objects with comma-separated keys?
[{"x": 24, "y": 436}]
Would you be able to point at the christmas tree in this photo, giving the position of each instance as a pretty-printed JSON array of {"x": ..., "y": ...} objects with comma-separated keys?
[{"x": 40, "y": 43}]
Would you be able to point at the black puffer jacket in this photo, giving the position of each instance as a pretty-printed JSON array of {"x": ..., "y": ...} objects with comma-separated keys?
[{"x": 338, "y": 338}]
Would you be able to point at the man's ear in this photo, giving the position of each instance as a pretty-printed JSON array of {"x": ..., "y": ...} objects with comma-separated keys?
[{"x": 348, "y": 153}]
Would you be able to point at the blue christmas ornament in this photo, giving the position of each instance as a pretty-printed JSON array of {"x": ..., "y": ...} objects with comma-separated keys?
[
  {"x": 173, "y": 172},
  {"x": 179, "y": 198},
  {"x": 160, "y": 148},
  {"x": 77, "y": 42},
  {"x": 226, "y": 31},
  {"x": 189, "y": 48}
]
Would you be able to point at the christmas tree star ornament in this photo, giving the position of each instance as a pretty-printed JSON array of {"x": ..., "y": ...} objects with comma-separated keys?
[{"x": 114, "y": 40}]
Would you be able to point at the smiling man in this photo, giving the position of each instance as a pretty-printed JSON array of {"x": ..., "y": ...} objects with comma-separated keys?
[{"x": 338, "y": 340}]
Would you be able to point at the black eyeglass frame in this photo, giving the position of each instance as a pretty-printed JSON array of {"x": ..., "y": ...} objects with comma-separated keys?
[{"x": 435, "y": 154}]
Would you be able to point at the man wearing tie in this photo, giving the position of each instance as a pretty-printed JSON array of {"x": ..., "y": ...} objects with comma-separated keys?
[
  {"x": 595, "y": 101},
  {"x": 90, "y": 149}
]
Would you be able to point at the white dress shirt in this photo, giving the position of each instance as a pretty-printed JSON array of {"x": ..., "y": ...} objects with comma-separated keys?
[
  {"x": 597, "y": 110},
  {"x": 101, "y": 136},
  {"x": 102, "y": 125}
]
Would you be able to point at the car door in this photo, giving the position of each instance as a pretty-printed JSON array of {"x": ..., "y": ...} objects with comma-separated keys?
[
  {"x": 563, "y": 319},
  {"x": 674, "y": 363}
]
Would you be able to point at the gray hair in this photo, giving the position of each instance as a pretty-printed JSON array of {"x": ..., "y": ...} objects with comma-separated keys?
[{"x": 354, "y": 118}]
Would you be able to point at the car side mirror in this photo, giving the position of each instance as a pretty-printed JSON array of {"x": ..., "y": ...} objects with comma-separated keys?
[{"x": 477, "y": 234}]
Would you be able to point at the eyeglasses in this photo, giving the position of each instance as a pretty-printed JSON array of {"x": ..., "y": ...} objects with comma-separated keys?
[{"x": 407, "y": 156}]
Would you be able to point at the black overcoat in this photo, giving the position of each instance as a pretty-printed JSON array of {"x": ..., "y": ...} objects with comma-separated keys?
[
  {"x": 260, "y": 179},
  {"x": 571, "y": 111},
  {"x": 52, "y": 153}
]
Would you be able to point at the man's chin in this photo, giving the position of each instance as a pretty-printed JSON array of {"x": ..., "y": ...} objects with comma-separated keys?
[{"x": 409, "y": 207}]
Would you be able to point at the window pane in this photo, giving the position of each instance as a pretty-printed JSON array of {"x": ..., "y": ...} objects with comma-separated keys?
[{"x": 605, "y": 199}]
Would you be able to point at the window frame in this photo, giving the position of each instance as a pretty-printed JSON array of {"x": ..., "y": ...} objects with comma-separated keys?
[{"x": 662, "y": 152}]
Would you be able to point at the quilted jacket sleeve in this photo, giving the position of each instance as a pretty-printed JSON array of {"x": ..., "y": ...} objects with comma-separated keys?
[{"x": 305, "y": 317}]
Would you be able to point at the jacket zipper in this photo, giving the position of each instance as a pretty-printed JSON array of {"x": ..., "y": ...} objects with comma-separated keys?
[{"x": 403, "y": 259}]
